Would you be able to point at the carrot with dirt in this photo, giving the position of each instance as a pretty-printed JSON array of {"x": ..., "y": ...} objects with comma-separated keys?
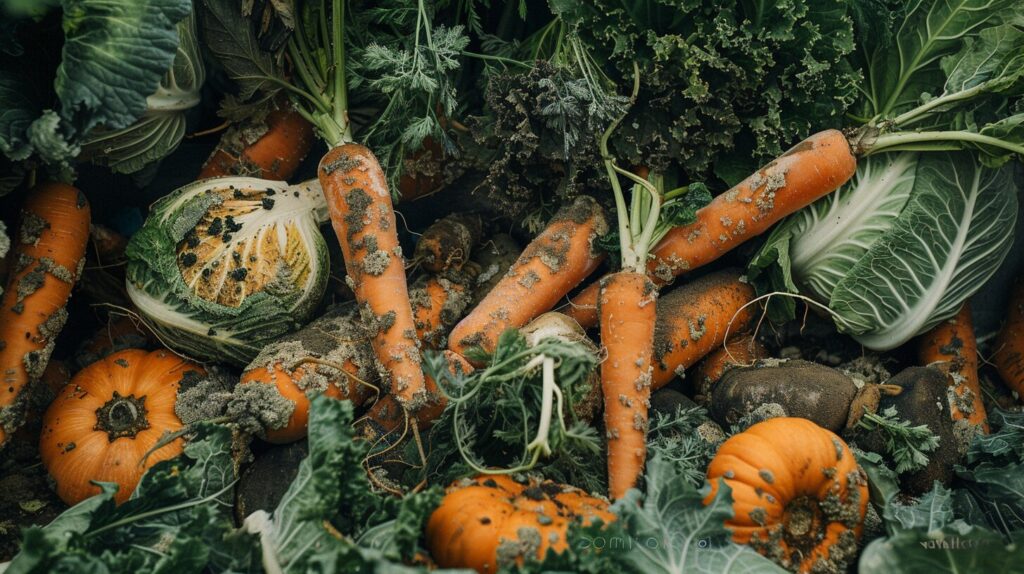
[
  {"x": 694, "y": 319},
  {"x": 49, "y": 252},
  {"x": 272, "y": 149},
  {"x": 808, "y": 171},
  {"x": 555, "y": 262},
  {"x": 448, "y": 242},
  {"x": 952, "y": 342},
  {"x": 627, "y": 311},
  {"x": 1009, "y": 346},
  {"x": 438, "y": 302}
]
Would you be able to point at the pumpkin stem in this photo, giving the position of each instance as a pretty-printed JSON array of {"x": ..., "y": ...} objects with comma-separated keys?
[{"x": 122, "y": 417}]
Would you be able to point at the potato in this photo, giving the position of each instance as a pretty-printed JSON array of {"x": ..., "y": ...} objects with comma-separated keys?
[{"x": 803, "y": 389}]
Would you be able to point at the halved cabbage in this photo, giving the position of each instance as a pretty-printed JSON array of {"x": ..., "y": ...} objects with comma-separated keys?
[{"x": 225, "y": 265}]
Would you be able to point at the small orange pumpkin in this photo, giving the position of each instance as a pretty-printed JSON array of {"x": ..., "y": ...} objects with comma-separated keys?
[
  {"x": 488, "y": 522},
  {"x": 798, "y": 495},
  {"x": 104, "y": 421}
]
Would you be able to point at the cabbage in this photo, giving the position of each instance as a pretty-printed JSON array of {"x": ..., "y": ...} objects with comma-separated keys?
[
  {"x": 159, "y": 131},
  {"x": 899, "y": 248},
  {"x": 223, "y": 266}
]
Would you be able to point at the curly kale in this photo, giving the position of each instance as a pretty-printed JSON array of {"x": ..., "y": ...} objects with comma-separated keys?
[
  {"x": 542, "y": 123},
  {"x": 724, "y": 85}
]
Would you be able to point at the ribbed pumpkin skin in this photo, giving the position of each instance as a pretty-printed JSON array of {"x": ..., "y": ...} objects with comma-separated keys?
[
  {"x": 799, "y": 496},
  {"x": 75, "y": 451},
  {"x": 490, "y": 521}
]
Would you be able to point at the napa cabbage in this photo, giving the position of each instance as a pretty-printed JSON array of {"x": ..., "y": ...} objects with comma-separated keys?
[{"x": 223, "y": 266}]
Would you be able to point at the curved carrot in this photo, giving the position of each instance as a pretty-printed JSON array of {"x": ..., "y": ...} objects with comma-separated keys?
[
  {"x": 953, "y": 341},
  {"x": 275, "y": 154},
  {"x": 692, "y": 321},
  {"x": 740, "y": 351},
  {"x": 448, "y": 242},
  {"x": 1009, "y": 355},
  {"x": 627, "y": 308},
  {"x": 49, "y": 253},
  {"x": 555, "y": 262},
  {"x": 811, "y": 169},
  {"x": 364, "y": 221}
]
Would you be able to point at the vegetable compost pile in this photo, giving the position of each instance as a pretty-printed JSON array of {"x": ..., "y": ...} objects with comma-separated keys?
[{"x": 529, "y": 286}]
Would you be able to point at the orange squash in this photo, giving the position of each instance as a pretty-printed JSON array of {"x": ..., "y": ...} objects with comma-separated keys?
[
  {"x": 798, "y": 495},
  {"x": 489, "y": 522},
  {"x": 104, "y": 421}
]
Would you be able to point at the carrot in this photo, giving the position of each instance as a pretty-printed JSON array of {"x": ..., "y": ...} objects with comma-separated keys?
[
  {"x": 952, "y": 341},
  {"x": 1009, "y": 355},
  {"x": 437, "y": 304},
  {"x": 693, "y": 319},
  {"x": 273, "y": 154},
  {"x": 448, "y": 242},
  {"x": 556, "y": 261},
  {"x": 364, "y": 221},
  {"x": 811, "y": 169},
  {"x": 386, "y": 415},
  {"x": 736, "y": 352},
  {"x": 627, "y": 310},
  {"x": 49, "y": 252}
]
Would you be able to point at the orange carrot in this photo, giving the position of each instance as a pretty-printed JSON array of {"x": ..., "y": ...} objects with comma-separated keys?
[
  {"x": 447, "y": 243},
  {"x": 422, "y": 175},
  {"x": 274, "y": 154},
  {"x": 555, "y": 262},
  {"x": 1009, "y": 355},
  {"x": 627, "y": 309},
  {"x": 364, "y": 221},
  {"x": 952, "y": 341},
  {"x": 692, "y": 321},
  {"x": 811, "y": 169},
  {"x": 49, "y": 253},
  {"x": 738, "y": 351}
]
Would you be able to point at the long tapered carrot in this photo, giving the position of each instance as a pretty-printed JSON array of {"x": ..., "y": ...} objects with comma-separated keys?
[
  {"x": 952, "y": 341},
  {"x": 49, "y": 253},
  {"x": 555, "y": 262},
  {"x": 627, "y": 309},
  {"x": 274, "y": 154},
  {"x": 364, "y": 220},
  {"x": 1009, "y": 346},
  {"x": 738, "y": 351},
  {"x": 811, "y": 169},
  {"x": 693, "y": 319}
]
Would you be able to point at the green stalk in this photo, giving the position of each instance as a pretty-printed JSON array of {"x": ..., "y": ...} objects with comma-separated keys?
[
  {"x": 888, "y": 141},
  {"x": 916, "y": 113},
  {"x": 340, "y": 91}
]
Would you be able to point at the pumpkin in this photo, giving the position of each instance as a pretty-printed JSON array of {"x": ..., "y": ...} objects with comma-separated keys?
[
  {"x": 798, "y": 495},
  {"x": 107, "y": 417},
  {"x": 489, "y": 522}
]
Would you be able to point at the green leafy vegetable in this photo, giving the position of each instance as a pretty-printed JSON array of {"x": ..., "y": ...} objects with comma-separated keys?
[
  {"x": 908, "y": 445},
  {"x": 898, "y": 249},
  {"x": 160, "y": 129},
  {"x": 177, "y": 519},
  {"x": 224, "y": 266},
  {"x": 518, "y": 412},
  {"x": 114, "y": 54}
]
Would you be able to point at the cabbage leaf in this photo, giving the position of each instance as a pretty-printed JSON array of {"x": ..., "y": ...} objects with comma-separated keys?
[
  {"x": 160, "y": 129},
  {"x": 113, "y": 57},
  {"x": 899, "y": 248}
]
